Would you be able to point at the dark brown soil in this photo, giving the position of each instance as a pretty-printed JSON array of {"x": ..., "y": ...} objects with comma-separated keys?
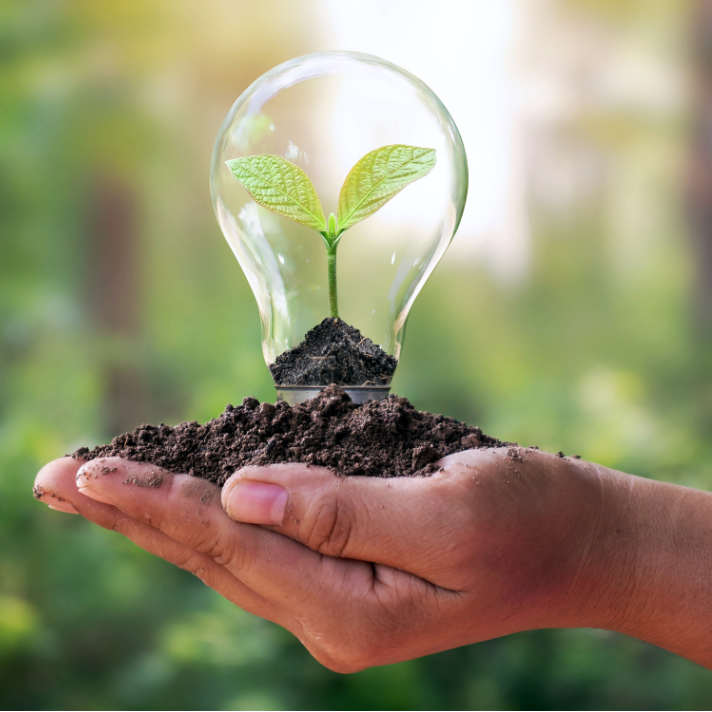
[
  {"x": 386, "y": 438},
  {"x": 334, "y": 352}
]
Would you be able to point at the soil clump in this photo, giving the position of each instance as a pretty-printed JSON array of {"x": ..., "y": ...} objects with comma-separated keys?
[
  {"x": 334, "y": 352},
  {"x": 386, "y": 438}
]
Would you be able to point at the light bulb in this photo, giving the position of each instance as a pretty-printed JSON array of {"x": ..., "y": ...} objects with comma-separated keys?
[{"x": 323, "y": 113}]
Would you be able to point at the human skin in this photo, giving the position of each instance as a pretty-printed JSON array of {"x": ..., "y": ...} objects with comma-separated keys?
[{"x": 372, "y": 571}]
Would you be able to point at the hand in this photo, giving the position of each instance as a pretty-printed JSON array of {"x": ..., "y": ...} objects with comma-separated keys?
[{"x": 369, "y": 571}]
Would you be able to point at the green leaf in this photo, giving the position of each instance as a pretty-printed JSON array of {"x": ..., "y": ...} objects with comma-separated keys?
[
  {"x": 280, "y": 186},
  {"x": 378, "y": 177}
]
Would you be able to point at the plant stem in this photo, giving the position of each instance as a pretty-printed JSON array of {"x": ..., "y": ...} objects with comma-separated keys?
[{"x": 331, "y": 262}]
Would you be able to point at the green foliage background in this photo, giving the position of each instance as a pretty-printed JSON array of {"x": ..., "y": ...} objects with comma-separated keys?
[{"x": 595, "y": 352}]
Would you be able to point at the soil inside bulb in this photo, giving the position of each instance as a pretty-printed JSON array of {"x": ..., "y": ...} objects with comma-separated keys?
[
  {"x": 334, "y": 352},
  {"x": 386, "y": 438}
]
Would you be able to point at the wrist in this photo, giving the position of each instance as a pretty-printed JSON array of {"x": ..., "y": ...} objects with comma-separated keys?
[
  {"x": 590, "y": 583},
  {"x": 648, "y": 572},
  {"x": 604, "y": 588}
]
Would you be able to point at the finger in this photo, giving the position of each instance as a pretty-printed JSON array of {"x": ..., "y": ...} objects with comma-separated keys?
[
  {"x": 337, "y": 608},
  {"x": 188, "y": 510},
  {"x": 49, "y": 484},
  {"x": 411, "y": 523},
  {"x": 57, "y": 482}
]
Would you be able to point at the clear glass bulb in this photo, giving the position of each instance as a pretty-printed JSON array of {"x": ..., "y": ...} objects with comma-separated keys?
[{"x": 323, "y": 112}]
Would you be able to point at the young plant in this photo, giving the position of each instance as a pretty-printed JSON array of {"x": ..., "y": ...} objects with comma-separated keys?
[{"x": 285, "y": 189}]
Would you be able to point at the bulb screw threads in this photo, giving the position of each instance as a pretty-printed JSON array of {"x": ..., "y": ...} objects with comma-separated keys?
[{"x": 358, "y": 394}]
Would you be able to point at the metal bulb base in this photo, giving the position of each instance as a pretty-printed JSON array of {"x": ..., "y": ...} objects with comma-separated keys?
[{"x": 358, "y": 394}]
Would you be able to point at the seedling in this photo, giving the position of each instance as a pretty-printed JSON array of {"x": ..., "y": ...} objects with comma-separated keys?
[{"x": 282, "y": 187}]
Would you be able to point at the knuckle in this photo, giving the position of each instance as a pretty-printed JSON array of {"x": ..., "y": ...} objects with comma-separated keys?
[
  {"x": 219, "y": 549},
  {"x": 342, "y": 667},
  {"x": 122, "y": 524},
  {"x": 337, "y": 657},
  {"x": 193, "y": 562},
  {"x": 352, "y": 645},
  {"x": 328, "y": 525},
  {"x": 196, "y": 564},
  {"x": 355, "y": 656}
]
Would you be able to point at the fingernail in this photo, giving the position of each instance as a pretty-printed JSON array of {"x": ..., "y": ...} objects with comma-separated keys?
[
  {"x": 84, "y": 486},
  {"x": 256, "y": 503},
  {"x": 53, "y": 501},
  {"x": 62, "y": 506}
]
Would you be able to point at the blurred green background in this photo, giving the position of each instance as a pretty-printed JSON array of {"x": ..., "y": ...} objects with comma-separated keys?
[{"x": 579, "y": 320}]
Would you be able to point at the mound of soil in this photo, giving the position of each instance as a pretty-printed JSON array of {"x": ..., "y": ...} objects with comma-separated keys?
[
  {"x": 386, "y": 438},
  {"x": 334, "y": 352}
]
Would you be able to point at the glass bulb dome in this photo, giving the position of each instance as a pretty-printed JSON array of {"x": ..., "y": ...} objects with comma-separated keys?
[{"x": 323, "y": 112}]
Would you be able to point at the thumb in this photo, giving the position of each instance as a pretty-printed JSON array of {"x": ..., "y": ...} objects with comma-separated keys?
[{"x": 404, "y": 522}]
